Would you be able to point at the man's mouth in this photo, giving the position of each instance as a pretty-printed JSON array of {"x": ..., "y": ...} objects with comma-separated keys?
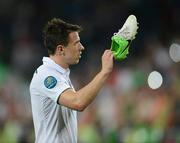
[{"x": 80, "y": 54}]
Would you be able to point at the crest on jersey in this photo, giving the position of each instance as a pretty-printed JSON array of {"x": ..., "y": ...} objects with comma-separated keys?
[{"x": 50, "y": 82}]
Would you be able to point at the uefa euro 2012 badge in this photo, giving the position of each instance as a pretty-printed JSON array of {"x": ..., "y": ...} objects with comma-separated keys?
[{"x": 50, "y": 82}]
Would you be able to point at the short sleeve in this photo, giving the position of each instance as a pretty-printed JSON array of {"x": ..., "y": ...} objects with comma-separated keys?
[{"x": 53, "y": 87}]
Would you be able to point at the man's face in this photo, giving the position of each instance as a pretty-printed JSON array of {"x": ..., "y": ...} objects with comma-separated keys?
[{"x": 74, "y": 49}]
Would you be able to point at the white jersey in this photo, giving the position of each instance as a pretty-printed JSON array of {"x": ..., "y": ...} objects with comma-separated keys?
[{"x": 53, "y": 123}]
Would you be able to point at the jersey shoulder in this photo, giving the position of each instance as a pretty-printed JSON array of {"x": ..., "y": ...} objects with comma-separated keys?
[
  {"x": 44, "y": 76},
  {"x": 43, "y": 73}
]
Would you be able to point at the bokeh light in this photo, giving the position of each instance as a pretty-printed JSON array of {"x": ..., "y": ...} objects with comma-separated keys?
[
  {"x": 155, "y": 80},
  {"x": 174, "y": 52}
]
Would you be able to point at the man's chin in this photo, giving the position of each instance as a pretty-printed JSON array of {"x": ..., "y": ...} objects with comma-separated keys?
[{"x": 75, "y": 62}]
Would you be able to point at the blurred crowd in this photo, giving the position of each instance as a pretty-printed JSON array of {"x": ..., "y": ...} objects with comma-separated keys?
[{"x": 126, "y": 109}]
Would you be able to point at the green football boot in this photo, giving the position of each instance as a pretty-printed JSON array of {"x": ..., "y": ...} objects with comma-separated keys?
[{"x": 120, "y": 41}]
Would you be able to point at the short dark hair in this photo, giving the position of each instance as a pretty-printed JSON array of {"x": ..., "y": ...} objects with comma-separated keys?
[{"x": 56, "y": 32}]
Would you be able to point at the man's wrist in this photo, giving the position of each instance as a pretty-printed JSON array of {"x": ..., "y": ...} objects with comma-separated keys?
[{"x": 104, "y": 73}]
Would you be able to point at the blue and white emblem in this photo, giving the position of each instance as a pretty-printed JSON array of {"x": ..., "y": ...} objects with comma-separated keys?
[{"x": 50, "y": 82}]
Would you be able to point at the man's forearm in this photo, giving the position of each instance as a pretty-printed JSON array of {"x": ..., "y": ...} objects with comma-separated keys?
[{"x": 90, "y": 91}]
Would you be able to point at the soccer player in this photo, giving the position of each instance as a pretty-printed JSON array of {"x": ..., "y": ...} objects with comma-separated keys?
[{"x": 54, "y": 100}]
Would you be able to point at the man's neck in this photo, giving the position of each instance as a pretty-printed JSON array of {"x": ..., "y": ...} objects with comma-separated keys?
[{"x": 59, "y": 61}]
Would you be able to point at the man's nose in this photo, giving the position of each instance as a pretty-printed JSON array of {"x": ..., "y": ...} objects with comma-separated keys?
[{"x": 82, "y": 47}]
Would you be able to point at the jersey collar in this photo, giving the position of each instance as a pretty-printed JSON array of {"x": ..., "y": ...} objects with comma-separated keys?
[{"x": 50, "y": 63}]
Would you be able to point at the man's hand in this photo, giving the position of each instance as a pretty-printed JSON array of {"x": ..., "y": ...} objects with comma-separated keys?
[{"x": 107, "y": 62}]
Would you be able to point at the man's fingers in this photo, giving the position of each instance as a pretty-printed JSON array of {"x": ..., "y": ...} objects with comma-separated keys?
[
  {"x": 112, "y": 56},
  {"x": 108, "y": 52},
  {"x": 108, "y": 55}
]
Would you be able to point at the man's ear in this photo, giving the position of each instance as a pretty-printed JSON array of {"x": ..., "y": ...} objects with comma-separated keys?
[{"x": 60, "y": 50}]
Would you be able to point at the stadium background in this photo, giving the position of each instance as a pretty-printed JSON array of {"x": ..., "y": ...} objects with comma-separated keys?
[{"x": 126, "y": 110}]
